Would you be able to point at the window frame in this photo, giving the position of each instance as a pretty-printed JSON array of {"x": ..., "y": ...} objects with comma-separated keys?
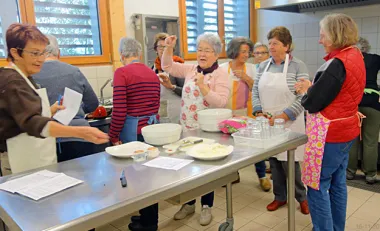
[
  {"x": 221, "y": 30},
  {"x": 27, "y": 15}
]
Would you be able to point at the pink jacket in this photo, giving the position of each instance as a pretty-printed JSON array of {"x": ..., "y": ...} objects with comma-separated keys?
[{"x": 217, "y": 80}]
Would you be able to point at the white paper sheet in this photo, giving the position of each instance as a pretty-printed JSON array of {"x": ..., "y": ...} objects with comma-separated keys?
[
  {"x": 49, "y": 187},
  {"x": 72, "y": 101},
  {"x": 40, "y": 184},
  {"x": 27, "y": 181},
  {"x": 168, "y": 163}
]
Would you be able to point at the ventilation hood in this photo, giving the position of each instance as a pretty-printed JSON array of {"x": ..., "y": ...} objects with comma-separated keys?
[{"x": 300, "y": 6}]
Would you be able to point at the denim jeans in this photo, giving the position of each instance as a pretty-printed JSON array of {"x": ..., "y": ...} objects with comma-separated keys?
[
  {"x": 328, "y": 204},
  {"x": 260, "y": 169}
]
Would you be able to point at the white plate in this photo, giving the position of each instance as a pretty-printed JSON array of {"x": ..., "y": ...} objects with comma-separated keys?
[
  {"x": 195, "y": 152},
  {"x": 186, "y": 148},
  {"x": 127, "y": 150}
]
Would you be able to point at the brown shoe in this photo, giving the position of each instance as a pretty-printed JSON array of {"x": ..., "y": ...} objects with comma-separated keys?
[
  {"x": 265, "y": 184},
  {"x": 275, "y": 205},
  {"x": 304, "y": 207},
  {"x": 268, "y": 170}
]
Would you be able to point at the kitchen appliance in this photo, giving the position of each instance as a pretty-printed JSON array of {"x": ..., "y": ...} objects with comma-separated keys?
[{"x": 147, "y": 26}]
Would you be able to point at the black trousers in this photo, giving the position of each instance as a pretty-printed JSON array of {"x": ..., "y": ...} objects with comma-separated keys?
[
  {"x": 207, "y": 199},
  {"x": 149, "y": 215}
]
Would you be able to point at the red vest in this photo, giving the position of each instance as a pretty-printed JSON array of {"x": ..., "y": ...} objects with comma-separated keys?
[{"x": 345, "y": 105}]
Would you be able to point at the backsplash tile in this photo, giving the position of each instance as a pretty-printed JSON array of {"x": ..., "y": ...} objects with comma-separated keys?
[
  {"x": 94, "y": 85},
  {"x": 305, "y": 30},
  {"x": 89, "y": 72},
  {"x": 104, "y": 71},
  {"x": 370, "y": 25},
  {"x": 108, "y": 90}
]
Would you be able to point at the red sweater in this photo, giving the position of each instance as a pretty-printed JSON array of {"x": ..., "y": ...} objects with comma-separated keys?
[
  {"x": 136, "y": 92},
  {"x": 345, "y": 105}
]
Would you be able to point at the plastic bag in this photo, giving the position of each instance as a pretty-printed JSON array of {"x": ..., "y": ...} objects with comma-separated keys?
[{"x": 233, "y": 125}]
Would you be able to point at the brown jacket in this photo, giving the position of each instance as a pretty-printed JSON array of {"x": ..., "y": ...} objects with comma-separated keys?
[{"x": 20, "y": 108}]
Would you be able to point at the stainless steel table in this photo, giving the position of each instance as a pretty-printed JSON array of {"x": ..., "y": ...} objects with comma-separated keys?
[{"x": 101, "y": 199}]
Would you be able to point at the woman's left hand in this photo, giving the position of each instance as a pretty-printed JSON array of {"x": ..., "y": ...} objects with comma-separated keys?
[
  {"x": 55, "y": 107},
  {"x": 302, "y": 86},
  {"x": 165, "y": 81},
  {"x": 281, "y": 116}
]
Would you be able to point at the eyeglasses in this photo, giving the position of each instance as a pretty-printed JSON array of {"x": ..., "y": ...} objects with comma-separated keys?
[
  {"x": 207, "y": 52},
  {"x": 35, "y": 54},
  {"x": 245, "y": 52},
  {"x": 261, "y": 53},
  {"x": 160, "y": 48}
]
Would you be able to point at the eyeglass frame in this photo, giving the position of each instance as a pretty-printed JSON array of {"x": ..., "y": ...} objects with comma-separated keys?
[{"x": 35, "y": 54}]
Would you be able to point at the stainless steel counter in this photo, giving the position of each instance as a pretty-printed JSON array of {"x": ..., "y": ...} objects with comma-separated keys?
[{"x": 101, "y": 199}]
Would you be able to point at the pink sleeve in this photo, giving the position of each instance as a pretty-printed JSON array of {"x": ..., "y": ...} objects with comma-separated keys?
[
  {"x": 179, "y": 70},
  {"x": 218, "y": 95}
]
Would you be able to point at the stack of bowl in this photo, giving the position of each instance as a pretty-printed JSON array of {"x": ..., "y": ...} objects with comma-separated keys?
[
  {"x": 160, "y": 134},
  {"x": 210, "y": 118}
]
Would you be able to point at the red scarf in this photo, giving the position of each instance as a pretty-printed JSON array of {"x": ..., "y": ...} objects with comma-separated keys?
[{"x": 157, "y": 62}]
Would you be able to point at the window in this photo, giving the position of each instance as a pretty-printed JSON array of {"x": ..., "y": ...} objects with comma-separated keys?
[
  {"x": 228, "y": 18},
  {"x": 8, "y": 15},
  {"x": 81, "y": 27}
]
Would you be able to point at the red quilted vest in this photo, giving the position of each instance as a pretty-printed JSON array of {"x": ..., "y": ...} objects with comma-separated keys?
[{"x": 345, "y": 105}]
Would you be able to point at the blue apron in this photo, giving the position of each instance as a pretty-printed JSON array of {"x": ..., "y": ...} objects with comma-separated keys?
[{"x": 129, "y": 131}]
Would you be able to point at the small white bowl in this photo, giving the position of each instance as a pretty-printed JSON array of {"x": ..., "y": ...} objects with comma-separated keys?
[{"x": 161, "y": 134}]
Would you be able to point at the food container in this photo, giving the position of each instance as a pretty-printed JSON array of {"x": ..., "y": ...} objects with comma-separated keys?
[
  {"x": 153, "y": 152},
  {"x": 160, "y": 134},
  {"x": 210, "y": 118},
  {"x": 139, "y": 155},
  {"x": 241, "y": 139}
]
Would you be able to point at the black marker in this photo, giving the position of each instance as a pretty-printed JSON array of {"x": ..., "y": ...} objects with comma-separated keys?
[{"x": 123, "y": 180}]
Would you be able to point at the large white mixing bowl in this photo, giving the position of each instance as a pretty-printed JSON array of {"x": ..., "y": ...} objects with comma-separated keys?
[{"x": 160, "y": 134}]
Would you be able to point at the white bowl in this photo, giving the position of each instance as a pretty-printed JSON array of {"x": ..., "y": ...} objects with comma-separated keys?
[
  {"x": 208, "y": 119},
  {"x": 160, "y": 134}
]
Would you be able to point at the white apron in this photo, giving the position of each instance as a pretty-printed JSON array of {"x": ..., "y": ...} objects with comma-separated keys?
[
  {"x": 275, "y": 97},
  {"x": 27, "y": 152}
]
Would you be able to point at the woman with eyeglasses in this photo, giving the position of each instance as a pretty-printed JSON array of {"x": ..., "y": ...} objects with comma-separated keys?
[
  {"x": 27, "y": 131},
  {"x": 206, "y": 86},
  {"x": 171, "y": 87},
  {"x": 260, "y": 53},
  {"x": 241, "y": 79}
]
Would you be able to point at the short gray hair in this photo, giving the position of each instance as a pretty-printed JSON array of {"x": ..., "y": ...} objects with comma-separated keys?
[
  {"x": 364, "y": 45},
  {"x": 52, "y": 49},
  {"x": 130, "y": 47},
  {"x": 233, "y": 47},
  {"x": 213, "y": 40},
  {"x": 259, "y": 44}
]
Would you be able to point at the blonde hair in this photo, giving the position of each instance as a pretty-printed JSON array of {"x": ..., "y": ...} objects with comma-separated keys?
[{"x": 340, "y": 29}]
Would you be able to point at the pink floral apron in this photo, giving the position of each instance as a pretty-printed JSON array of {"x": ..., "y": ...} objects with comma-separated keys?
[
  {"x": 316, "y": 130},
  {"x": 192, "y": 102}
]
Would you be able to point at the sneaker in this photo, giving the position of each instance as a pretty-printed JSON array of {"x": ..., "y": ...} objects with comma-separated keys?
[
  {"x": 275, "y": 205},
  {"x": 370, "y": 179},
  {"x": 206, "y": 216},
  {"x": 184, "y": 211},
  {"x": 350, "y": 175},
  {"x": 304, "y": 207},
  {"x": 265, "y": 184}
]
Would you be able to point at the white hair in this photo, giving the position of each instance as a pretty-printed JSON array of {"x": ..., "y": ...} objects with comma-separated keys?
[
  {"x": 259, "y": 44},
  {"x": 52, "y": 49},
  {"x": 130, "y": 47},
  {"x": 213, "y": 40}
]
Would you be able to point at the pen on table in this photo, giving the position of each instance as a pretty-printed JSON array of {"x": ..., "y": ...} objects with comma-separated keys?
[{"x": 123, "y": 180}]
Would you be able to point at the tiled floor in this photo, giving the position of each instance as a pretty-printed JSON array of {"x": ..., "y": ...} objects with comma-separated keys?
[{"x": 250, "y": 212}]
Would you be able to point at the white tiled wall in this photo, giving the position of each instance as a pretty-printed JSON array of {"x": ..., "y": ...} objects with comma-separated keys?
[
  {"x": 305, "y": 30},
  {"x": 97, "y": 76}
]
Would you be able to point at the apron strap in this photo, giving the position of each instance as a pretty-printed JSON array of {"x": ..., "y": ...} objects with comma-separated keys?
[{"x": 361, "y": 116}]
